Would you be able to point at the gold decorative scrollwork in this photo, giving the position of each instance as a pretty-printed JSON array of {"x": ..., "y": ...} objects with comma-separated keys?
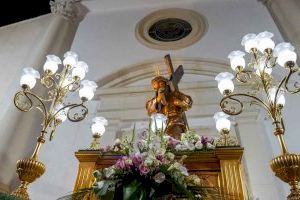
[{"x": 77, "y": 116}]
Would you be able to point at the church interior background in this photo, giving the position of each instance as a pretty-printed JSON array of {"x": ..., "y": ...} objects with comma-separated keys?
[{"x": 122, "y": 41}]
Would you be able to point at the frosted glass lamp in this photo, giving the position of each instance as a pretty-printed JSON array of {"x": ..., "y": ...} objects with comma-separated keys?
[
  {"x": 280, "y": 96},
  {"x": 80, "y": 69},
  {"x": 237, "y": 61},
  {"x": 265, "y": 41},
  {"x": 284, "y": 52},
  {"x": 158, "y": 122},
  {"x": 222, "y": 122},
  {"x": 249, "y": 41},
  {"x": 261, "y": 68},
  {"x": 61, "y": 116},
  {"x": 28, "y": 78},
  {"x": 70, "y": 59},
  {"x": 88, "y": 89},
  {"x": 51, "y": 64},
  {"x": 225, "y": 83},
  {"x": 98, "y": 126}
]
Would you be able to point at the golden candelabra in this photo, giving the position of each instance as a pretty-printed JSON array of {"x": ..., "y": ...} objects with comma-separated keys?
[
  {"x": 266, "y": 92},
  {"x": 53, "y": 107}
]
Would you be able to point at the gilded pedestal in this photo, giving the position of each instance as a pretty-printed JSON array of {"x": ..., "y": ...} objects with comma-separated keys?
[{"x": 218, "y": 168}]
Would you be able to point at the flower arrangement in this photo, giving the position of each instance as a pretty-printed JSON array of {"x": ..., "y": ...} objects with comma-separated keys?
[
  {"x": 148, "y": 169},
  {"x": 190, "y": 141}
]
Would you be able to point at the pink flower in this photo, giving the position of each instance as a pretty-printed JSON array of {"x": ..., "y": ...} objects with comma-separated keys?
[
  {"x": 137, "y": 159},
  {"x": 144, "y": 170},
  {"x": 172, "y": 142},
  {"x": 204, "y": 140},
  {"x": 108, "y": 148},
  {"x": 120, "y": 164}
]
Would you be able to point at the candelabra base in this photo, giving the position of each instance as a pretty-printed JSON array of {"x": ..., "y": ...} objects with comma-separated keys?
[
  {"x": 28, "y": 171},
  {"x": 287, "y": 168}
]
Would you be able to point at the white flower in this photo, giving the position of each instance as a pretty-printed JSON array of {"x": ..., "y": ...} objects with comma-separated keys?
[
  {"x": 189, "y": 145},
  {"x": 181, "y": 147},
  {"x": 199, "y": 145},
  {"x": 170, "y": 156},
  {"x": 99, "y": 184},
  {"x": 159, "y": 177},
  {"x": 117, "y": 141},
  {"x": 210, "y": 146},
  {"x": 109, "y": 172},
  {"x": 183, "y": 170},
  {"x": 148, "y": 162}
]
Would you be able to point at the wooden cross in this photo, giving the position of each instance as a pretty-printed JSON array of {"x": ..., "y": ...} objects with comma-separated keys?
[{"x": 174, "y": 79}]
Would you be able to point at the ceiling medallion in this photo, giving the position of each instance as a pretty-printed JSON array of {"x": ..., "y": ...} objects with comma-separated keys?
[{"x": 170, "y": 29}]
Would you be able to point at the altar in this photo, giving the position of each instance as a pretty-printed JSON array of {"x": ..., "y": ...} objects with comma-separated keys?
[{"x": 219, "y": 168}]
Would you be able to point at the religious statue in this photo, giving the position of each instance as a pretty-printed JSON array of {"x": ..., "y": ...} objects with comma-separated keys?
[{"x": 170, "y": 101}]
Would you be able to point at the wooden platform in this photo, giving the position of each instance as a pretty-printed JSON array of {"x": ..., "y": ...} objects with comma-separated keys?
[{"x": 217, "y": 168}]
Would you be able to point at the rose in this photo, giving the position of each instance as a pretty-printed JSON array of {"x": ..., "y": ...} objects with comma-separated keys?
[
  {"x": 172, "y": 142},
  {"x": 144, "y": 170},
  {"x": 120, "y": 164},
  {"x": 137, "y": 159}
]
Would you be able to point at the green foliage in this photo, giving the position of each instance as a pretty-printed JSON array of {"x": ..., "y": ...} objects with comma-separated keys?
[{"x": 4, "y": 196}]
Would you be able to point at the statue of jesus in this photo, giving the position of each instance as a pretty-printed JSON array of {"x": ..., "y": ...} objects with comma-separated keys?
[{"x": 170, "y": 103}]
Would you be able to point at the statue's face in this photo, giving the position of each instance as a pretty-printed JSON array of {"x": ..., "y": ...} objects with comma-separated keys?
[{"x": 159, "y": 85}]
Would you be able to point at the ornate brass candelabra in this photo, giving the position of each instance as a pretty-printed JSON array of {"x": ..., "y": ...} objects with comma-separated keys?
[
  {"x": 266, "y": 92},
  {"x": 53, "y": 107}
]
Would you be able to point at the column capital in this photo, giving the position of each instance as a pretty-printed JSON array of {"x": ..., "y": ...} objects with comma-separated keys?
[{"x": 69, "y": 9}]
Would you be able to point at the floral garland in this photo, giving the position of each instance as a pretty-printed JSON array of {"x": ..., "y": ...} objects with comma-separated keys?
[{"x": 190, "y": 141}]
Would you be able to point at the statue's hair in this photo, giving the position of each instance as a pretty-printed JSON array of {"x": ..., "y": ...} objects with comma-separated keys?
[{"x": 160, "y": 78}]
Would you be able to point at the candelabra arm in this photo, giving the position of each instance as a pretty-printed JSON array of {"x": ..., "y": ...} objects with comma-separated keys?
[
  {"x": 239, "y": 109},
  {"x": 296, "y": 85},
  {"x": 27, "y": 104}
]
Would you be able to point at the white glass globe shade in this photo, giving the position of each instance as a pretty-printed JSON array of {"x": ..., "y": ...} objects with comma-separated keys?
[
  {"x": 261, "y": 68},
  {"x": 28, "y": 80},
  {"x": 70, "y": 58},
  {"x": 80, "y": 70},
  {"x": 158, "y": 122},
  {"x": 280, "y": 96},
  {"x": 50, "y": 66},
  {"x": 62, "y": 115},
  {"x": 52, "y": 63},
  {"x": 285, "y": 53},
  {"x": 98, "y": 129},
  {"x": 265, "y": 41},
  {"x": 249, "y": 41},
  {"x": 29, "y": 76},
  {"x": 222, "y": 121},
  {"x": 225, "y": 83},
  {"x": 88, "y": 89},
  {"x": 237, "y": 59},
  {"x": 222, "y": 124},
  {"x": 86, "y": 93}
]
